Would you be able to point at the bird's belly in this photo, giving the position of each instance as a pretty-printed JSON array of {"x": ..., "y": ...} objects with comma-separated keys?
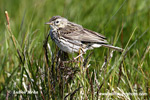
[{"x": 67, "y": 46}]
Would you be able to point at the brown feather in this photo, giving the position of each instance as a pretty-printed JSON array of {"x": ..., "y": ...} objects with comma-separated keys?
[{"x": 77, "y": 32}]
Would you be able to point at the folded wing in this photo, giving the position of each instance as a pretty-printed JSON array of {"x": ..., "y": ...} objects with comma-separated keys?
[{"x": 76, "y": 32}]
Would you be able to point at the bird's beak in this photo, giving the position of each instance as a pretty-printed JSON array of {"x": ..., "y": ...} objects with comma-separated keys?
[{"x": 48, "y": 23}]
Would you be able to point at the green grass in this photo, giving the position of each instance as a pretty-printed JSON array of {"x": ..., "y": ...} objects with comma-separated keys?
[{"x": 23, "y": 59}]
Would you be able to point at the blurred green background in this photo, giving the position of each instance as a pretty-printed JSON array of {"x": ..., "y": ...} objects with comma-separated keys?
[{"x": 116, "y": 19}]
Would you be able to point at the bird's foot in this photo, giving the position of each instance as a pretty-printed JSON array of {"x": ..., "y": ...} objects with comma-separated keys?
[{"x": 74, "y": 59}]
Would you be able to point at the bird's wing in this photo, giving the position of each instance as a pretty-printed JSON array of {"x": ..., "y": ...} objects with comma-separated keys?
[{"x": 76, "y": 32}]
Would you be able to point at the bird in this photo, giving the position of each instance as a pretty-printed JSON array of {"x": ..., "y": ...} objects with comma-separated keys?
[{"x": 71, "y": 37}]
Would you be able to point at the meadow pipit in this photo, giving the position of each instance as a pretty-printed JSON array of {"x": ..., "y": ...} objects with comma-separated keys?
[{"x": 71, "y": 37}]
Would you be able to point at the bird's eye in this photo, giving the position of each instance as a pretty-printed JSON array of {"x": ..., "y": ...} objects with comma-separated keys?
[{"x": 57, "y": 21}]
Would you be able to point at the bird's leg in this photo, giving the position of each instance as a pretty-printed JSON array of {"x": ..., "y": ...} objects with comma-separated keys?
[
  {"x": 80, "y": 55},
  {"x": 74, "y": 59},
  {"x": 81, "y": 52}
]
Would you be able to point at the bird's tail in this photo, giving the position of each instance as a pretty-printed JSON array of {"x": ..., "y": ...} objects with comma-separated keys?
[{"x": 113, "y": 47}]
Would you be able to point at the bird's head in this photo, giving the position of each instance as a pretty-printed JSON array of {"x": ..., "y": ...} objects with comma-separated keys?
[{"x": 57, "y": 22}]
